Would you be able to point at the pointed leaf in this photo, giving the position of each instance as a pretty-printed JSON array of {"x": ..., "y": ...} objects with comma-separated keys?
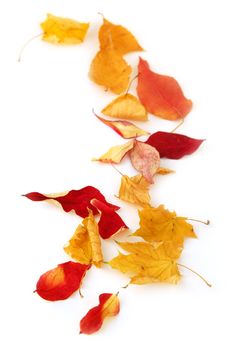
[{"x": 116, "y": 153}]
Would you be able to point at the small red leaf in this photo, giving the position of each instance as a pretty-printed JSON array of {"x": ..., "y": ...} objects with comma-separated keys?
[
  {"x": 62, "y": 281},
  {"x": 77, "y": 200},
  {"x": 93, "y": 320},
  {"x": 110, "y": 222},
  {"x": 173, "y": 146}
]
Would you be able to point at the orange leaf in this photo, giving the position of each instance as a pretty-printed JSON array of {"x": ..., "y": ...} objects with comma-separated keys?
[
  {"x": 126, "y": 106},
  {"x": 109, "y": 69},
  {"x": 93, "y": 320},
  {"x": 122, "y": 40},
  {"x": 116, "y": 153},
  {"x": 161, "y": 95}
]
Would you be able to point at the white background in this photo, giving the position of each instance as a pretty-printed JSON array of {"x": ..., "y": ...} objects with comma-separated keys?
[{"x": 48, "y": 136}]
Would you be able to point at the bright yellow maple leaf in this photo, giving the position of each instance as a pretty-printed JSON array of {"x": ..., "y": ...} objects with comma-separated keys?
[
  {"x": 126, "y": 106},
  {"x": 122, "y": 40},
  {"x": 116, "y": 153},
  {"x": 149, "y": 262},
  {"x": 58, "y": 30},
  {"x": 135, "y": 190},
  {"x": 159, "y": 224}
]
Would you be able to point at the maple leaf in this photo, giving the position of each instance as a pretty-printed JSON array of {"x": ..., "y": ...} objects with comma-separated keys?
[
  {"x": 135, "y": 190},
  {"x": 77, "y": 200},
  {"x": 122, "y": 40},
  {"x": 62, "y": 281},
  {"x": 149, "y": 262},
  {"x": 109, "y": 69},
  {"x": 124, "y": 128},
  {"x": 110, "y": 222},
  {"x": 159, "y": 224},
  {"x": 58, "y": 30},
  {"x": 145, "y": 159},
  {"x": 126, "y": 106},
  {"x": 108, "y": 306},
  {"x": 173, "y": 146},
  {"x": 116, "y": 153},
  {"x": 161, "y": 95}
]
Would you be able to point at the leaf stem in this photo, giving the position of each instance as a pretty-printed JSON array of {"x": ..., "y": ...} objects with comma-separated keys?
[
  {"x": 181, "y": 123},
  {"x": 117, "y": 169},
  {"x": 26, "y": 44},
  {"x": 81, "y": 295},
  {"x": 196, "y": 273},
  {"x": 130, "y": 84},
  {"x": 207, "y": 222}
]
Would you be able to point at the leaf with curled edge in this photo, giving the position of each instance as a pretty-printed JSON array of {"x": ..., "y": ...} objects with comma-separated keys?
[{"x": 115, "y": 154}]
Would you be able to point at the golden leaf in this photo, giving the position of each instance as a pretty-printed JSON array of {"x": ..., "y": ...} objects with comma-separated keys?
[
  {"x": 159, "y": 224},
  {"x": 149, "y": 263},
  {"x": 126, "y": 106},
  {"x": 164, "y": 171},
  {"x": 109, "y": 69},
  {"x": 116, "y": 153},
  {"x": 135, "y": 190},
  {"x": 122, "y": 40},
  {"x": 58, "y": 30}
]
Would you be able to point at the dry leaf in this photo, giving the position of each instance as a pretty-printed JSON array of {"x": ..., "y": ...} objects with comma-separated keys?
[
  {"x": 122, "y": 40},
  {"x": 126, "y": 106},
  {"x": 145, "y": 159},
  {"x": 93, "y": 320},
  {"x": 164, "y": 171},
  {"x": 116, "y": 153},
  {"x": 109, "y": 69},
  {"x": 159, "y": 224},
  {"x": 135, "y": 190},
  {"x": 149, "y": 263},
  {"x": 58, "y": 30}
]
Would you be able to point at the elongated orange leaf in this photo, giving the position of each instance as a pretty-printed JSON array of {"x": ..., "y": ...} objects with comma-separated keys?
[
  {"x": 161, "y": 95},
  {"x": 116, "y": 153}
]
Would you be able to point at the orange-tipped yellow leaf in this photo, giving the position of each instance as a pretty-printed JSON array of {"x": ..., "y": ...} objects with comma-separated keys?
[{"x": 116, "y": 153}]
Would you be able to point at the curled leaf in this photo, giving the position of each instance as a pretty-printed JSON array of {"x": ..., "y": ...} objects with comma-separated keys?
[
  {"x": 62, "y": 281},
  {"x": 124, "y": 128},
  {"x": 108, "y": 306},
  {"x": 77, "y": 200},
  {"x": 58, "y": 30},
  {"x": 116, "y": 153},
  {"x": 110, "y": 222},
  {"x": 173, "y": 146},
  {"x": 161, "y": 95},
  {"x": 148, "y": 263},
  {"x": 135, "y": 190},
  {"x": 126, "y": 106},
  {"x": 159, "y": 224},
  {"x": 145, "y": 159},
  {"x": 122, "y": 40},
  {"x": 109, "y": 69}
]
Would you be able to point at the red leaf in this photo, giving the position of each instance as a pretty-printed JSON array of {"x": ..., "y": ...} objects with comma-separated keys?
[
  {"x": 110, "y": 222},
  {"x": 161, "y": 95},
  {"x": 173, "y": 146},
  {"x": 93, "y": 320},
  {"x": 77, "y": 200},
  {"x": 62, "y": 281}
]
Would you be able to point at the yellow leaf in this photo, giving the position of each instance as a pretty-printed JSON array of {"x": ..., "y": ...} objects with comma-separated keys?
[
  {"x": 164, "y": 171},
  {"x": 122, "y": 40},
  {"x": 159, "y": 224},
  {"x": 126, "y": 106},
  {"x": 58, "y": 30},
  {"x": 135, "y": 190},
  {"x": 116, "y": 153},
  {"x": 149, "y": 263},
  {"x": 79, "y": 247},
  {"x": 109, "y": 69}
]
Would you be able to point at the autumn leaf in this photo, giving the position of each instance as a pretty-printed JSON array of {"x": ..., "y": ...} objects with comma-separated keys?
[
  {"x": 109, "y": 69},
  {"x": 108, "y": 306},
  {"x": 126, "y": 106},
  {"x": 110, "y": 222},
  {"x": 145, "y": 159},
  {"x": 159, "y": 224},
  {"x": 62, "y": 281},
  {"x": 122, "y": 40},
  {"x": 164, "y": 171},
  {"x": 58, "y": 30},
  {"x": 135, "y": 190},
  {"x": 116, "y": 153},
  {"x": 149, "y": 262},
  {"x": 77, "y": 200},
  {"x": 161, "y": 95},
  {"x": 173, "y": 146},
  {"x": 124, "y": 128}
]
